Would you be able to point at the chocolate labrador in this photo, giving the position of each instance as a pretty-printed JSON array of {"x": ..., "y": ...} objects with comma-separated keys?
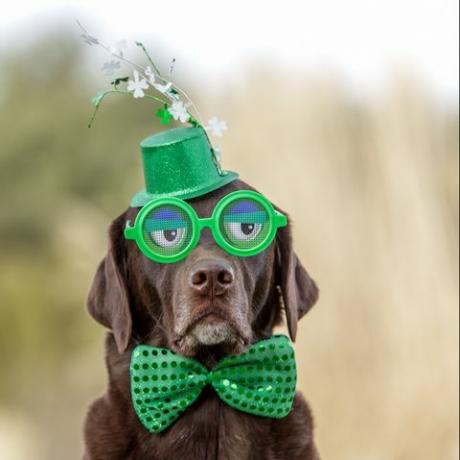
[{"x": 207, "y": 306}]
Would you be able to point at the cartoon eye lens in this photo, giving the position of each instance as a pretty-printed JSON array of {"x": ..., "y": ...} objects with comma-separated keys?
[
  {"x": 243, "y": 231},
  {"x": 168, "y": 238},
  {"x": 167, "y": 229},
  {"x": 244, "y": 223}
]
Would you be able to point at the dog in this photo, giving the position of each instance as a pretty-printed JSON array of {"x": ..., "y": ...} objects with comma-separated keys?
[{"x": 207, "y": 306}]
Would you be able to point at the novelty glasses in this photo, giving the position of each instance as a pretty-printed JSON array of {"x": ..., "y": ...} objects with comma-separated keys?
[{"x": 243, "y": 223}]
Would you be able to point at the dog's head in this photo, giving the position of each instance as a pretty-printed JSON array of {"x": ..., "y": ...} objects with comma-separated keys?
[{"x": 209, "y": 304}]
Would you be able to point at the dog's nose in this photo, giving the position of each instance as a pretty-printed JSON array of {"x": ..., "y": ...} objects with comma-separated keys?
[{"x": 211, "y": 276}]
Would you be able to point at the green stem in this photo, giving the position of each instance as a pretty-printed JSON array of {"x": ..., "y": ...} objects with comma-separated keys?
[
  {"x": 93, "y": 116},
  {"x": 193, "y": 121},
  {"x": 119, "y": 91},
  {"x": 141, "y": 45}
]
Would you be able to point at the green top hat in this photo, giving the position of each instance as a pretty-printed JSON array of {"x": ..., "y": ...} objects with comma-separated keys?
[{"x": 180, "y": 163}]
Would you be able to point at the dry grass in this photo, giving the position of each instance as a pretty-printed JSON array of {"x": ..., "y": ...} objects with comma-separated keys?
[
  {"x": 372, "y": 190},
  {"x": 371, "y": 186}
]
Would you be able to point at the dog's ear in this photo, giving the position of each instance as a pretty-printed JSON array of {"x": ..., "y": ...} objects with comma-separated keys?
[
  {"x": 108, "y": 299},
  {"x": 298, "y": 291}
]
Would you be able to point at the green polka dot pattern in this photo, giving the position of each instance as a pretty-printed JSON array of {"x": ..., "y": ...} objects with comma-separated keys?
[{"x": 261, "y": 381}]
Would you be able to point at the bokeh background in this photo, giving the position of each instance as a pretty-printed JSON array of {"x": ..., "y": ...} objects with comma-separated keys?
[{"x": 343, "y": 113}]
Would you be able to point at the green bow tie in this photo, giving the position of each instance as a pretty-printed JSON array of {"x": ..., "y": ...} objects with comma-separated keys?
[{"x": 260, "y": 381}]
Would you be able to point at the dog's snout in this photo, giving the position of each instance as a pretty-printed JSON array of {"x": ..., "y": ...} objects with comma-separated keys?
[{"x": 211, "y": 276}]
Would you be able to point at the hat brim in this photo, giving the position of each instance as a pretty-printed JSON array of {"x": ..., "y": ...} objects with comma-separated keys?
[{"x": 142, "y": 197}]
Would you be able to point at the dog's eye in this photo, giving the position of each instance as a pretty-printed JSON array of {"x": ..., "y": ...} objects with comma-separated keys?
[
  {"x": 169, "y": 238},
  {"x": 243, "y": 231}
]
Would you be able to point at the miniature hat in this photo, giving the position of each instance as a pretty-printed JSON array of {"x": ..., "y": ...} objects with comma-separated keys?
[{"x": 181, "y": 163}]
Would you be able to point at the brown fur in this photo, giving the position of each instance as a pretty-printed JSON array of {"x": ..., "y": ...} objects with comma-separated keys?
[{"x": 144, "y": 302}]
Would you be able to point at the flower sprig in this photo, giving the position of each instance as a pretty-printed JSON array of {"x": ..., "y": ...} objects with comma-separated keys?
[{"x": 175, "y": 103}]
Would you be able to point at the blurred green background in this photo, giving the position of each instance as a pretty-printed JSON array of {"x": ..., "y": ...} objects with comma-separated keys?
[{"x": 371, "y": 185}]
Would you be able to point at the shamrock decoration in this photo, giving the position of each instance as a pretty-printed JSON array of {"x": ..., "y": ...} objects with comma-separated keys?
[
  {"x": 216, "y": 126},
  {"x": 110, "y": 67},
  {"x": 137, "y": 85},
  {"x": 89, "y": 39},
  {"x": 178, "y": 110},
  {"x": 164, "y": 115},
  {"x": 150, "y": 74}
]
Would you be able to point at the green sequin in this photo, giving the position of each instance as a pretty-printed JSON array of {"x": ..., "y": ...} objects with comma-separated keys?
[{"x": 164, "y": 384}]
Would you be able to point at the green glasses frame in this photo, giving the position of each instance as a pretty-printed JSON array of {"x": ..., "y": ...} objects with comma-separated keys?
[{"x": 275, "y": 221}]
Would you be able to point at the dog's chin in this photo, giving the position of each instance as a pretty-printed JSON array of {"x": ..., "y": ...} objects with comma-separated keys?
[
  {"x": 211, "y": 339},
  {"x": 207, "y": 333}
]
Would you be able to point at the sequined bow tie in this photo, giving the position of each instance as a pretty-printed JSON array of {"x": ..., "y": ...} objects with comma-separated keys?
[{"x": 260, "y": 381}]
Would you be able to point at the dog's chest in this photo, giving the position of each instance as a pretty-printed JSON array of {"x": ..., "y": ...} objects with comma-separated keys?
[{"x": 209, "y": 431}]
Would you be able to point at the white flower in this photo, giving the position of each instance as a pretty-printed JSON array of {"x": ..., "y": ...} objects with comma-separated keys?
[
  {"x": 218, "y": 154},
  {"x": 89, "y": 39},
  {"x": 178, "y": 110},
  {"x": 150, "y": 75},
  {"x": 110, "y": 67},
  {"x": 117, "y": 48},
  {"x": 120, "y": 46},
  {"x": 163, "y": 89},
  {"x": 216, "y": 126},
  {"x": 137, "y": 85}
]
